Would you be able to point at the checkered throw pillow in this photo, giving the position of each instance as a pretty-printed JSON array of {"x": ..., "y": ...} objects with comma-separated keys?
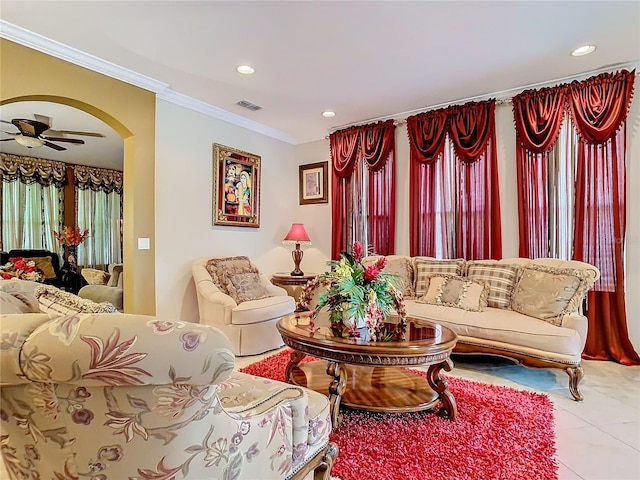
[
  {"x": 424, "y": 268},
  {"x": 501, "y": 279}
]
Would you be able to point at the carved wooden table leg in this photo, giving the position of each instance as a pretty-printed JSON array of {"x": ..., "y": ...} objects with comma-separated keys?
[
  {"x": 336, "y": 389},
  {"x": 294, "y": 360},
  {"x": 449, "y": 409},
  {"x": 575, "y": 375}
]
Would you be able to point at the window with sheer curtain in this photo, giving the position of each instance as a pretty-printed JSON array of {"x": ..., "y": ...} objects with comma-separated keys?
[{"x": 32, "y": 202}]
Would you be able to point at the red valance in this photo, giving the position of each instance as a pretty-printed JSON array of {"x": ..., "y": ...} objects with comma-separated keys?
[
  {"x": 538, "y": 116},
  {"x": 471, "y": 126},
  {"x": 427, "y": 132}
]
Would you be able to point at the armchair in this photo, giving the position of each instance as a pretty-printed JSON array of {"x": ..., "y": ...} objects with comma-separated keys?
[
  {"x": 241, "y": 302},
  {"x": 111, "y": 292},
  {"x": 110, "y": 397}
]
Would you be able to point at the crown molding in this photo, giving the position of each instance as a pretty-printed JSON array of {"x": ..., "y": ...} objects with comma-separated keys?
[{"x": 162, "y": 90}]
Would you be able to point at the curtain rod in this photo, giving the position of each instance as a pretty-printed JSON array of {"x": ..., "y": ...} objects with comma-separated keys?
[{"x": 505, "y": 96}]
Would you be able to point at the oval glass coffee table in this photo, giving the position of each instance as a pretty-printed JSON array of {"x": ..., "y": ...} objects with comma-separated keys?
[{"x": 368, "y": 375}]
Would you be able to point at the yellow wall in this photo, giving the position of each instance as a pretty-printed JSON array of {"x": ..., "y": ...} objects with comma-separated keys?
[{"x": 28, "y": 75}]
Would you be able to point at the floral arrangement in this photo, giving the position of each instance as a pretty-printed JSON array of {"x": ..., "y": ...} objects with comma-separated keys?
[
  {"x": 71, "y": 236},
  {"x": 358, "y": 296},
  {"x": 24, "y": 269}
]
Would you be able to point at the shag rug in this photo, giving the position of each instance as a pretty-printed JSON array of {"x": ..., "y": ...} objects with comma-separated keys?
[{"x": 499, "y": 433}]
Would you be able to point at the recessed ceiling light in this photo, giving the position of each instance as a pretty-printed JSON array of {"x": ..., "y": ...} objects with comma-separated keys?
[
  {"x": 584, "y": 50},
  {"x": 328, "y": 113},
  {"x": 245, "y": 69}
]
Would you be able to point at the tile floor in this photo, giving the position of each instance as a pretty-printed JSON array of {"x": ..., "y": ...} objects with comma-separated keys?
[{"x": 596, "y": 439}]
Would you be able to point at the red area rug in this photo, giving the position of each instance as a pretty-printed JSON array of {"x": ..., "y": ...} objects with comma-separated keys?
[{"x": 500, "y": 433}]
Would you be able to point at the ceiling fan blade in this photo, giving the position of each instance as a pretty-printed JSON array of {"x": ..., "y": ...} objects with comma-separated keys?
[
  {"x": 30, "y": 128},
  {"x": 6, "y": 139},
  {"x": 83, "y": 134},
  {"x": 54, "y": 146},
  {"x": 10, "y": 133},
  {"x": 6, "y": 121},
  {"x": 68, "y": 140}
]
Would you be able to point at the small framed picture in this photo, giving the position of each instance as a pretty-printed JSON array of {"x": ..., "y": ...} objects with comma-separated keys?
[
  {"x": 236, "y": 187},
  {"x": 313, "y": 183}
]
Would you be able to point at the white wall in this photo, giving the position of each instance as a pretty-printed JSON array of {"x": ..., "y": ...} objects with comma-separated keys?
[{"x": 184, "y": 183}]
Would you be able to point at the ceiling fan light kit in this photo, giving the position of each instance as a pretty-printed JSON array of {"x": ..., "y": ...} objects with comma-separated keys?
[{"x": 29, "y": 142}]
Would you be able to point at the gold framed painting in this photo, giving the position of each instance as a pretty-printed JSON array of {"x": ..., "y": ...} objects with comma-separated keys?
[
  {"x": 236, "y": 187},
  {"x": 313, "y": 183}
]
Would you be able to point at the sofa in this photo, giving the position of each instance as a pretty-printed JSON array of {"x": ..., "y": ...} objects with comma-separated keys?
[
  {"x": 234, "y": 296},
  {"x": 47, "y": 261},
  {"x": 113, "y": 396},
  {"x": 527, "y": 310}
]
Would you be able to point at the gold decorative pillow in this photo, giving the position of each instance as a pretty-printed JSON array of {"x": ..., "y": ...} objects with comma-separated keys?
[
  {"x": 501, "y": 279},
  {"x": 458, "y": 292},
  {"x": 94, "y": 276},
  {"x": 46, "y": 265},
  {"x": 221, "y": 268},
  {"x": 399, "y": 266},
  {"x": 426, "y": 267},
  {"x": 246, "y": 286},
  {"x": 550, "y": 293}
]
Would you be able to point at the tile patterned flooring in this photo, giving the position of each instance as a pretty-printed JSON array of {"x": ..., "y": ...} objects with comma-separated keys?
[{"x": 597, "y": 439}]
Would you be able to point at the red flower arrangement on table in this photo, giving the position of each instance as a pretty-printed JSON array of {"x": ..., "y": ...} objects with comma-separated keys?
[
  {"x": 22, "y": 268},
  {"x": 358, "y": 296}
]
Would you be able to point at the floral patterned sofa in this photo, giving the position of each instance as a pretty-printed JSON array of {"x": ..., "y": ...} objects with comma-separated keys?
[{"x": 107, "y": 396}]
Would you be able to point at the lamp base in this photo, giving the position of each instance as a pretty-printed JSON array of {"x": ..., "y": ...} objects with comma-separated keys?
[
  {"x": 297, "y": 273},
  {"x": 297, "y": 255}
]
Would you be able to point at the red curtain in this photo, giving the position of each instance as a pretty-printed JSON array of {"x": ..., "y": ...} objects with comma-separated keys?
[
  {"x": 599, "y": 109},
  {"x": 471, "y": 128},
  {"x": 538, "y": 117},
  {"x": 375, "y": 145},
  {"x": 344, "y": 147},
  {"x": 427, "y": 133},
  {"x": 378, "y": 151},
  {"x": 472, "y": 131}
]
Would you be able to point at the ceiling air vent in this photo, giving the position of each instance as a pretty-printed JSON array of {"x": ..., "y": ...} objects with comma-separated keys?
[{"x": 247, "y": 104}]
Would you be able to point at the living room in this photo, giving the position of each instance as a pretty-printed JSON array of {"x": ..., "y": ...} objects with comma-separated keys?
[{"x": 168, "y": 156}]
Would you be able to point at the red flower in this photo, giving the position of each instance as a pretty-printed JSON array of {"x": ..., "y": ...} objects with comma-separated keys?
[
  {"x": 358, "y": 251},
  {"x": 371, "y": 272},
  {"x": 380, "y": 264}
]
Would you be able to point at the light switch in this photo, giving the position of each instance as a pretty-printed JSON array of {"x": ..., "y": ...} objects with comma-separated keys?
[{"x": 143, "y": 244}]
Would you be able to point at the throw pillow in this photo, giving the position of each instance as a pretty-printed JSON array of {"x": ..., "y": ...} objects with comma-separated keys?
[
  {"x": 550, "y": 293},
  {"x": 399, "y": 266},
  {"x": 46, "y": 265},
  {"x": 455, "y": 291},
  {"x": 246, "y": 286},
  {"x": 11, "y": 303},
  {"x": 94, "y": 276},
  {"x": 220, "y": 268},
  {"x": 501, "y": 279},
  {"x": 54, "y": 300},
  {"x": 425, "y": 267}
]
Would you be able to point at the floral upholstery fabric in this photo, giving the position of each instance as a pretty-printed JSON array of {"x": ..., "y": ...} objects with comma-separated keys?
[
  {"x": 246, "y": 286},
  {"x": 56, "y": 301},
  {"x": 116, "y": 397}
]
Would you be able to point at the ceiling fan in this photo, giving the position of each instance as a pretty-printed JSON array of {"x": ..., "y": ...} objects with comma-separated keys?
[{"x": 38, "y": 132}]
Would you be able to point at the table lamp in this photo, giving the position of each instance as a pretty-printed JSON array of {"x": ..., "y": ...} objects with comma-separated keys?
[{"x": 297, "y": 234}]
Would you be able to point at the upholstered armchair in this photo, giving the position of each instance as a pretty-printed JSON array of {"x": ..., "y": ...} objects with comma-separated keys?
[
  {"x": 113, "y": 397},
  {"x": 235, "y": 297},
  {"x": 103, "y": 286}
]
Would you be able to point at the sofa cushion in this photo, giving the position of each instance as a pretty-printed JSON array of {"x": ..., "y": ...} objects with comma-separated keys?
[
  {"x": 501, "y": 279},
  {"x": 401, "y": 267},
  {"x": 93, "y": 276},
  {"x": 262, "y": 310},
  {"x": 458, "y": 292},
  {"x": 549, "y": 293},
  {"x": 17, "y": 303},
  {"x": 221, "y": 267},
  {"x": 246, "y": 286},
  {"x": 424, "y": 267},
  {"x": 54, "y": 300},
  {"x": 502, "y": 326}
]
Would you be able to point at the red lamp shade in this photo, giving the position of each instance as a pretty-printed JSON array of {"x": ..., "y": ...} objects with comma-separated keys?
[{"x": 297, "y": 234}]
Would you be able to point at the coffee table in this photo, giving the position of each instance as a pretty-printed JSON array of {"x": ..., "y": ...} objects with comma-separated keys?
[{"x": 367, "y": 375}]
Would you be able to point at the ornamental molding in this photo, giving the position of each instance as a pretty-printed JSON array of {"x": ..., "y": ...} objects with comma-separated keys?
[{"x": 162, "y": 90}]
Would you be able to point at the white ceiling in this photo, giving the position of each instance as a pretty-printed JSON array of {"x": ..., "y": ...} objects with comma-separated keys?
[{"x": 363, "y": 59}]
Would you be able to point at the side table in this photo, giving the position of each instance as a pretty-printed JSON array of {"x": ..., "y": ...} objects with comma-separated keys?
[{"x": 292, "y": 284}]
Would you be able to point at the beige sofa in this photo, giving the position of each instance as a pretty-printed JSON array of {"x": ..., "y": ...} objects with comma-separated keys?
[
  {"x": 115, "y": 396},
  {"x": 532, "y": 313}
]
